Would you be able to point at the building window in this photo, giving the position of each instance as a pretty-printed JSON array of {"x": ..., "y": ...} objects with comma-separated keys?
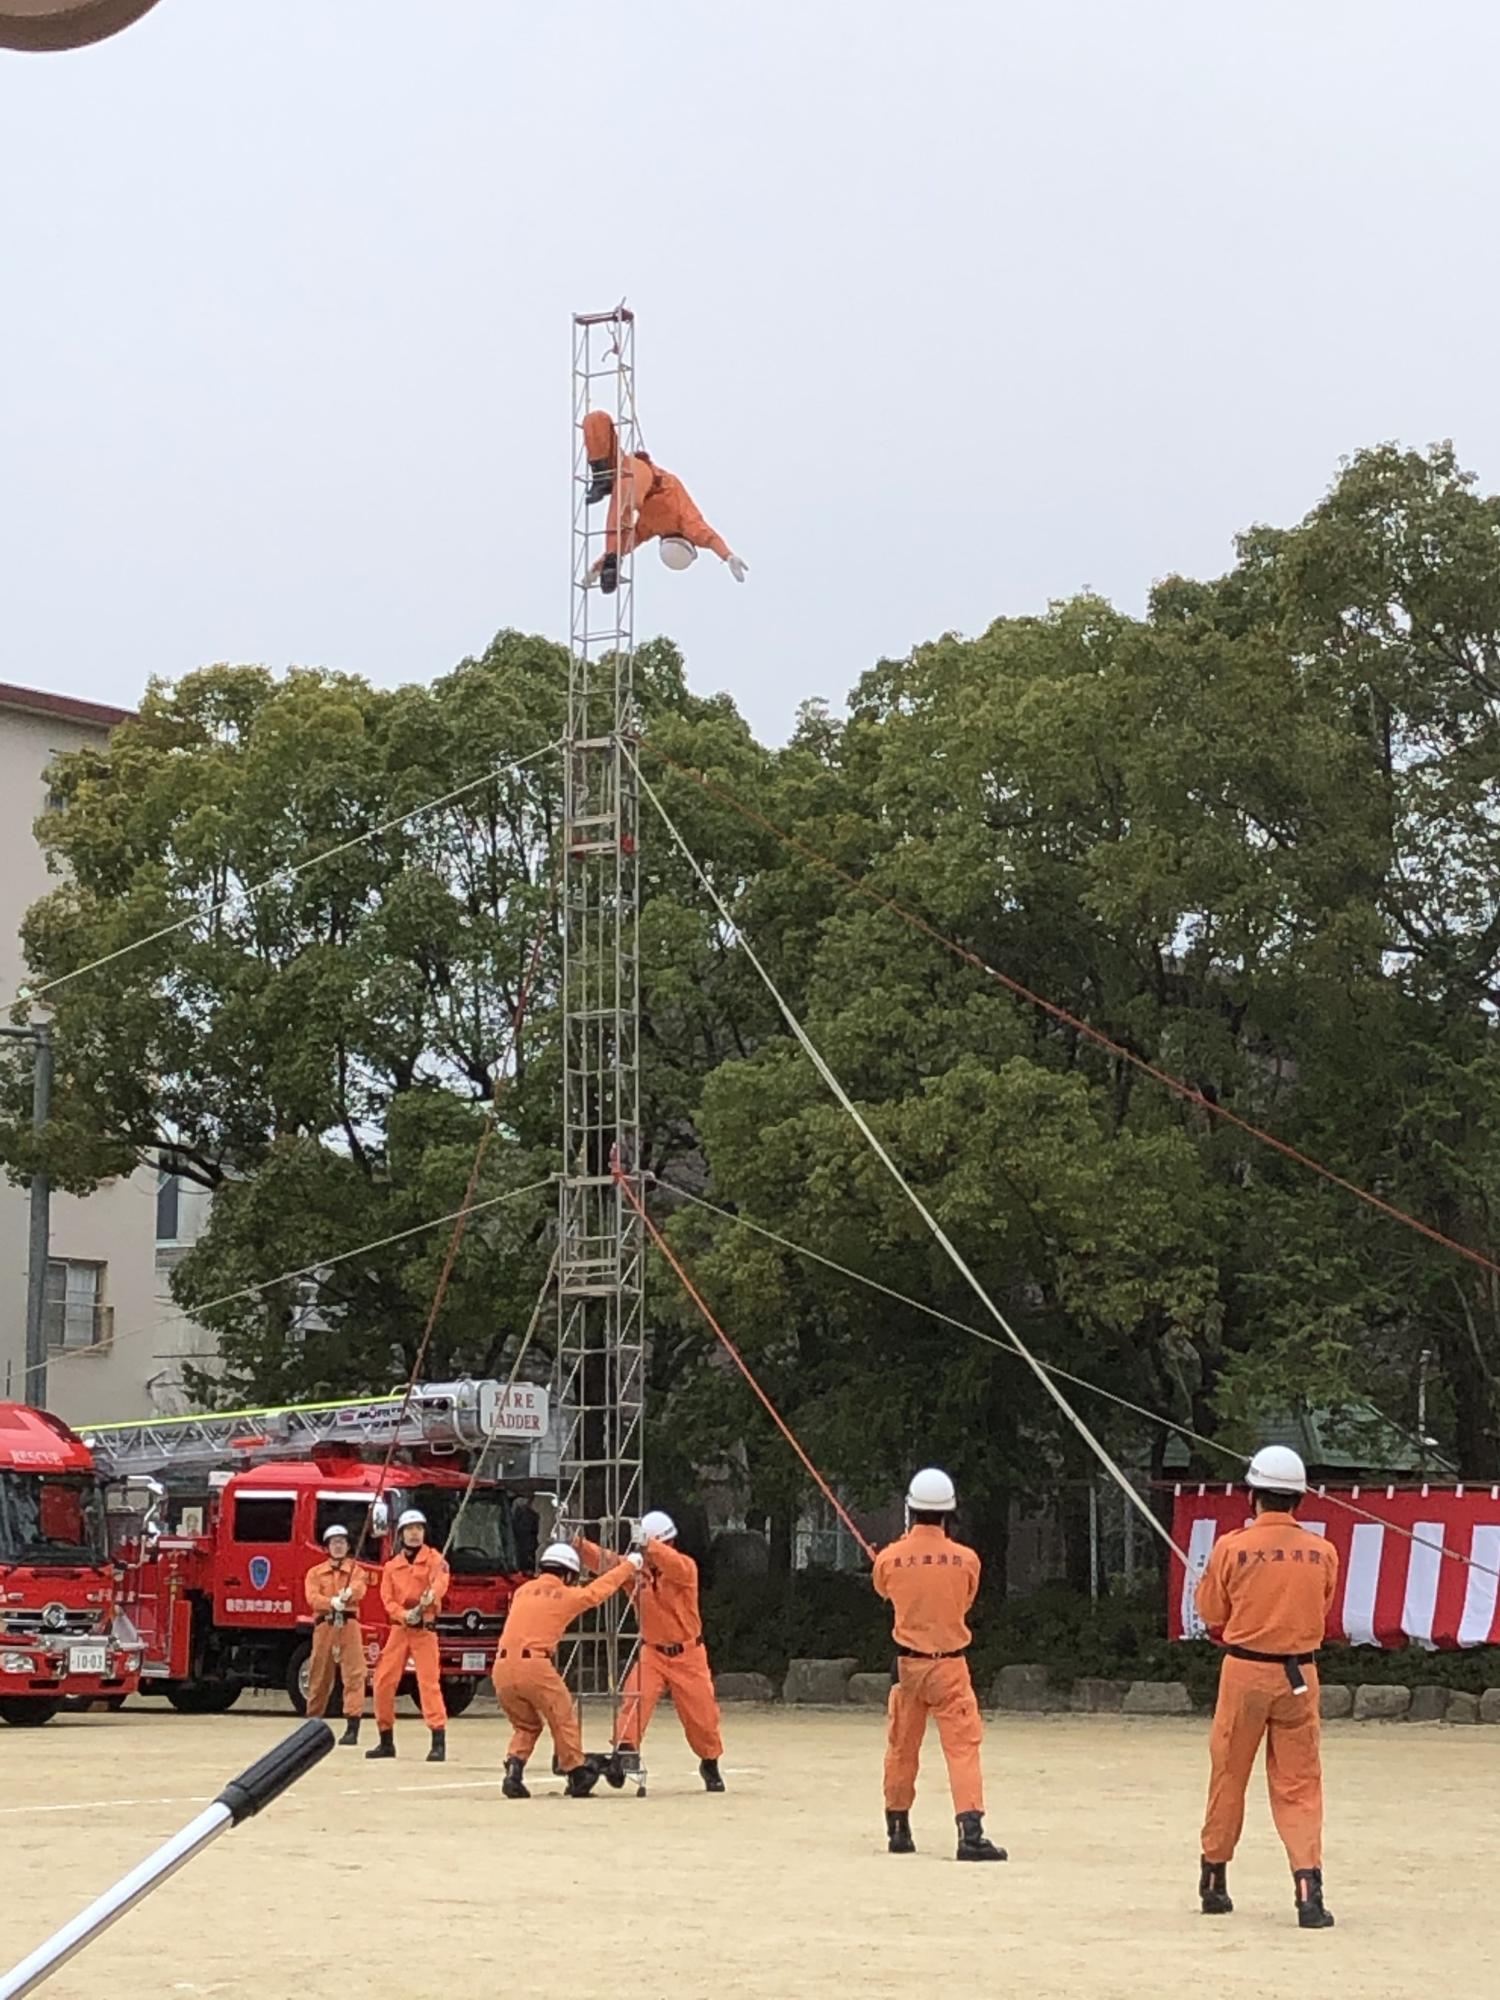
[
  {"x": 73, "y": 1310},
  {"x": 168, "y": 1207}
]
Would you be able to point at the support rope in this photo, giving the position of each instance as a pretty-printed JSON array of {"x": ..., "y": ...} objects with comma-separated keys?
[
  {"x": 738, "y": 1359},
  {"x": 934, "y": 1226},
  {"x": 1075, "y": 1022},
  {"x": 1062, "y": 1374}
]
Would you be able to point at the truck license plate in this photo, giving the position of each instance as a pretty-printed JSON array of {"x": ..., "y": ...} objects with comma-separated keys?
[
  {"x": 88, "y": 1659},
  {"x": 475, "y": 1663}
]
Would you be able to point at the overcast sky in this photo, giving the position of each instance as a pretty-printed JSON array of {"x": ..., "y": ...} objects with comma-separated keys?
[{"x": 944, "y": 310}]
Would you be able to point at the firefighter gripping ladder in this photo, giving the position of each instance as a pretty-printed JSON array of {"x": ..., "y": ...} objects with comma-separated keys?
[{"x": 599, "y": 1384}]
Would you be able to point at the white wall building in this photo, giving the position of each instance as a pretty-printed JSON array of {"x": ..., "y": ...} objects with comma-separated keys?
[{"x": 114, "y": 1342}]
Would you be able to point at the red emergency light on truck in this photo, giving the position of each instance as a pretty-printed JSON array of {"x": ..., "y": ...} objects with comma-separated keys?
[
  {"x": 219, "y": 1518},
  {"x": 61, "y": 1635}
]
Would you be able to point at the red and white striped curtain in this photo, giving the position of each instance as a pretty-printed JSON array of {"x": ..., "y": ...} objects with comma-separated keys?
[{"x": 1423, "y": 1571}]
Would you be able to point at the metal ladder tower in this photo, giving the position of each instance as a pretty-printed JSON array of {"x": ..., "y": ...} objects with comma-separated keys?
[{"x": 599, "y": 1396}]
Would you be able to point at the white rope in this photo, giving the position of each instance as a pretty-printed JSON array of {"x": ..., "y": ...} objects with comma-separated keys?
[
  {"x": 536, "y": 1317},
  {"x": 285, "y": 1277},
  {"x": 814, "y": 1056},
  {"x": 290, "y": 873}
]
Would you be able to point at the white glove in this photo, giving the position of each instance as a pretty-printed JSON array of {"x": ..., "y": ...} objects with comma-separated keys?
[
  {"x": 425, "y": 1599},
  {"x": 341, "y": 1600},
  {"x": 414, "y": 1616},
  {"x": 636, "y": 1559},
  {"x": 737, "y": 568}
]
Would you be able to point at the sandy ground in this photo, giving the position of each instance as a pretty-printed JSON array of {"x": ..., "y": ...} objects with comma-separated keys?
[{"x": 781, "y": 1888}]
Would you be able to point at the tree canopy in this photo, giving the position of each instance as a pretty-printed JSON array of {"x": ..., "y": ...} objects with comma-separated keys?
[{"x": 1252, "y": 837}]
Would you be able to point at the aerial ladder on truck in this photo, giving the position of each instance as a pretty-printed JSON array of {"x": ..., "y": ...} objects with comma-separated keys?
[{"x": 439, "y": 1418}]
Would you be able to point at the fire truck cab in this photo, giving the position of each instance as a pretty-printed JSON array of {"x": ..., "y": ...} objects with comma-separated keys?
[
  {"x": 215, "y": 1559},
  {"x": 62, "y": 1638}
]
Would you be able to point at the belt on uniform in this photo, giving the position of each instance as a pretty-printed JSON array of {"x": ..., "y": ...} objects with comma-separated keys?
[
  {"x": 675, "y": 1652},
  {"x": 526, "y": 1653},
  {"x": 1292, "y": 1662},
  {"x": 907, "y": 1653}
]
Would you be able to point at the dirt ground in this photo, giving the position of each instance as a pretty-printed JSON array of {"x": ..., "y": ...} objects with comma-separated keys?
[{"x": 426, "y": 1877}]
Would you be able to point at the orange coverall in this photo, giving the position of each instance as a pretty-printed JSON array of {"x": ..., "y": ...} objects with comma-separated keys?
[
  {"x": 336, "y": 1643},
  {"x": 528, "y": 1686},
  {"x": 1268, "y": 1588},
  {"x": 403, "y": 1581},
  {"x": 673, "y": 1656},
  {"x": 649, "y": 501},
  {"x": 930, "y": 1581}
]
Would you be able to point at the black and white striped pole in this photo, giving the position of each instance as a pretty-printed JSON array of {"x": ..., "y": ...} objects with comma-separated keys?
[{"x": 240, "y": 1799}]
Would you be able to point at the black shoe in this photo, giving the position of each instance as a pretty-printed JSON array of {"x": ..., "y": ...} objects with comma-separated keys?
[
  {"x": 351, "y": 1732},
  {"x": 613, "y": 1769},
  {"x": 583, "y": 1780},
  {"x": 1311, "y": 1915},
  {"x": 1213, "y": 1889},
  {"x": 386, "y": 1747},
  {"x": 603, "y": 482},
  {"x": 512, "y": 1785},
  {"x": 708, "y": 1771},
  {"x": 898, "y": 1838},
  {"x": 609, "y": 575},
  {"x": 972, "y": 1843},
  {"x": 438, "y": 1754}
]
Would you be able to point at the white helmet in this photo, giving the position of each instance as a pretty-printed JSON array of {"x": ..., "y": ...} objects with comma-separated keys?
[
  {"x": 559, "y": 1555},
  {"x": 1276, "y": 1468},
  {"x": 658, "y": 1527},
  {"x": 676, "y": 553},
  {"x": 331, "y": 1533},
  {"x": 931, "y": 1492},
  {"x": 412, "y": 1518}
]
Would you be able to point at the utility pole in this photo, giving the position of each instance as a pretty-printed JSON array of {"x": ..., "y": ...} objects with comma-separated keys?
[{"x": 34, "y": 1377}]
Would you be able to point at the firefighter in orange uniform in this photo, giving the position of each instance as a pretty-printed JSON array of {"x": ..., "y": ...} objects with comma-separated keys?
[
  {"x": 645, "y": 502},
  {"x": 1265, "y": 1597},
  {"x": 529, "y": 1688},
  {"x": 413, "y": 1585},
  {"x": 673, "y": 1656},
  {"x": 334, "y": 1589},
  {"x": 930, "y": 1581}
]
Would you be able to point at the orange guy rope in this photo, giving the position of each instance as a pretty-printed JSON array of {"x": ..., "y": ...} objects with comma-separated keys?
[{"x": 737, "y": 1358}]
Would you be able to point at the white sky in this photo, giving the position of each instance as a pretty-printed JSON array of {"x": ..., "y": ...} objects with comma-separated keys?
[{"x": 945, "y": 309}]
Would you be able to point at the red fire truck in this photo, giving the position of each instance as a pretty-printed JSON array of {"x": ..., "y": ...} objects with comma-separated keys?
[
  {"x": 62, "y": 1637},
  {"x": 218, "y": 1519}
]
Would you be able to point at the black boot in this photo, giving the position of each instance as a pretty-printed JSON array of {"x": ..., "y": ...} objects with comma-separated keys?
[
  {"x": 603, "y": 482},
  {"x": 438, "y": 1754},
  {"x": 1311, "y": 1915},
  {"x": 898, "y": 1838},
  {"x": 351, "y": 1731},
  {"x": 386, "y": 1747},
  {"x": 1213, "y": 1889},
  {"x": 609, "y": 575},
  {"x": 512, "y": 1785},
  {"x": 708, "y": 1771},
  {"x": 583, "y": 1780},
  {"x": 613, "y": 1769},
  {"x": 972, "y": 1844}
]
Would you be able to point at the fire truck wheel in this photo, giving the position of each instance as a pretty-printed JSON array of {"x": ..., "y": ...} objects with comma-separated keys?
[
  {"x": 203, "y": 1697},
  {"x": 457, "y": 1695},
  {"x": 296, "y": 1676},
  {"x": 28, "y": 1714}
]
